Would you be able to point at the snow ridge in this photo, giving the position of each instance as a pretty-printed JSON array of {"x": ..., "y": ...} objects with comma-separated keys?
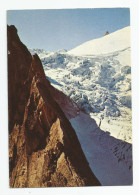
[{"x": 113, "y": 42}]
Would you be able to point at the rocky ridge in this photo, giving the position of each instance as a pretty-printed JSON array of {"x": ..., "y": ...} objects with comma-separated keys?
[{"x": 44, "y": 150}]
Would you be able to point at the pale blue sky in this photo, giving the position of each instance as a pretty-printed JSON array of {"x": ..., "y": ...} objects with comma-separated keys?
[{"x": 65, "y": 28}]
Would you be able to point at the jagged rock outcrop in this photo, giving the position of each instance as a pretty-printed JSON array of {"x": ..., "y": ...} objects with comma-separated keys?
[
  {"x": 43, "y": 147},
  {"x": 106, "y": 33}
]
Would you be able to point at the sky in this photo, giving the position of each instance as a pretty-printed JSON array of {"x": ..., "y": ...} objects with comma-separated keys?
[{"x": 55, "y": 29}]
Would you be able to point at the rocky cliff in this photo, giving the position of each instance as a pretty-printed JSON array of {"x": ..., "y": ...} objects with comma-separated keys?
[{"x": 43, "y": 147}]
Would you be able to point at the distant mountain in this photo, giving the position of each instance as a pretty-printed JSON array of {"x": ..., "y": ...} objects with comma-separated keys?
[{"x": 113, "y": 42}]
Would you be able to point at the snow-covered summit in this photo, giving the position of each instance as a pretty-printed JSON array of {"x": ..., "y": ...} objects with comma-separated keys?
[{"x": 113, "y": 42}]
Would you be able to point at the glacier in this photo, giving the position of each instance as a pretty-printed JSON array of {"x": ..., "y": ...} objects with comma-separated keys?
[
  {"x": 99, "y": 83},
  {"x": 97, "y": 77}
]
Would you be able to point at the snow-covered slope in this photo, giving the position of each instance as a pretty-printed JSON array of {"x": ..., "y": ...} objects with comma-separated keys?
[
  {"x": 99, "y": 84},
  {"x": 109, "y": 158},
  {"x": 97, "y": 76},
  {"x": 113, "y": 42}
]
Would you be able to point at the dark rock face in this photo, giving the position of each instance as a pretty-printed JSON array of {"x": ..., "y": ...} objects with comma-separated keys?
[
  {"x": 107, "y": 33},
  {"x": 44, "y": 150}
]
